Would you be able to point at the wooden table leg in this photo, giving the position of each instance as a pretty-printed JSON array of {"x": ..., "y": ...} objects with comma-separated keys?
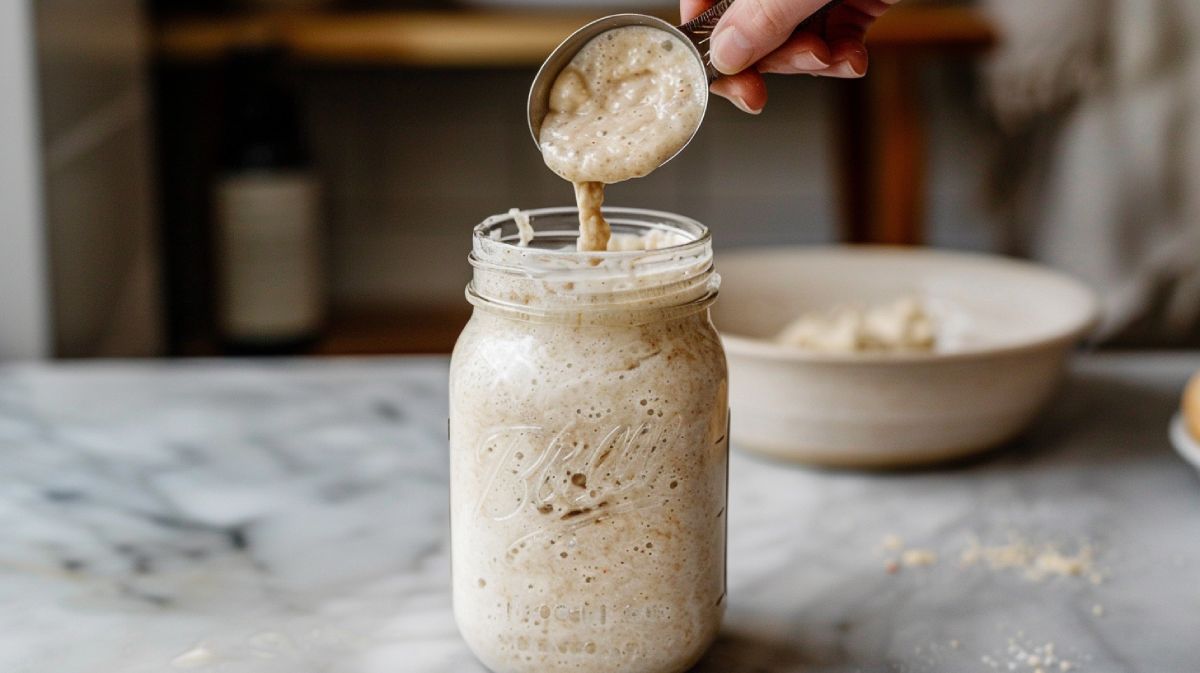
[
  {"x": 900, "y": 159},
  {"x": 882, "y": 154}
]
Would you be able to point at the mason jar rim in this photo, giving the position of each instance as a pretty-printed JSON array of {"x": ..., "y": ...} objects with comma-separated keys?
[
  {"x": 676, "y": 278},
  {"x": 614, "y": 215}
]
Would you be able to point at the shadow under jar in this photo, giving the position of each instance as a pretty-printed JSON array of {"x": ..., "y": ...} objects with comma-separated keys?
[{"x": 589, "y": 449}]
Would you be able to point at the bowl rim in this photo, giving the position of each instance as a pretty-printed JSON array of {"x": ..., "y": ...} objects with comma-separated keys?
[{"x": 763, "y": 348}]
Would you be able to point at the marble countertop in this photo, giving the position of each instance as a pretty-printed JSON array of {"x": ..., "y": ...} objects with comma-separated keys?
[{"x": 291, "y": 517}]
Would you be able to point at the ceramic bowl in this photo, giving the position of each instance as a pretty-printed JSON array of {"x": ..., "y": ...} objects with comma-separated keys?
[{"x": 1005, "y": 329}]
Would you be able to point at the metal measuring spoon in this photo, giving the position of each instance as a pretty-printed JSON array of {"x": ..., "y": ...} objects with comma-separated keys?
[{"x": 694, "y": 33}]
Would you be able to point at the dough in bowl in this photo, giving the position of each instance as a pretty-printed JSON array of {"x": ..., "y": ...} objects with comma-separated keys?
[{"x": 903, "y": 325}]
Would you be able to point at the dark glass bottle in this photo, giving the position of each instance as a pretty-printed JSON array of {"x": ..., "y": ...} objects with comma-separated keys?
[{"x": 267, "y": 206}]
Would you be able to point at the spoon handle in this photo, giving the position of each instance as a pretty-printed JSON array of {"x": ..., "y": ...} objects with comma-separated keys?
[
  {"x": 700, "y": 28},
  {"x": 702, "y": 25}
]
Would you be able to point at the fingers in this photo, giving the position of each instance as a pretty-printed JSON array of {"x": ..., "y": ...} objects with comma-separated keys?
[
  {"x": 802, "y": 53},
  {"x": 848, "y": 22},
  {"x": 690, "y": 9},
  {"x": 849, "y": 59},
  {"x": 746, "y": 90},
  {"x": 875, "y": 8},
  {"x": 839, "y": 52},
  {"x": 761, "y": 32},
  {"x": 751, "y": 29},
  {"x": 808, "y": 54}
]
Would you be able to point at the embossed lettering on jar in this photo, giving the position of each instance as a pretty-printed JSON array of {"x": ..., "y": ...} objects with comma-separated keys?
[{"x": 589, "y": 451}]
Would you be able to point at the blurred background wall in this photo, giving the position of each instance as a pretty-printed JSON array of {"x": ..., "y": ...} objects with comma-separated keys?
[
  {"x": 414, "y": 146},
  {"x": 24, "y": 304},
  {"x": 409, "y": 130},
  {"x": 93, "y": 65},
  {"x": 401, "y": 204}
]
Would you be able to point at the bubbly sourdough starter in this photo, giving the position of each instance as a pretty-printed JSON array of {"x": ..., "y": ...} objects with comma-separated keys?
[
  {"x": 594, "y": 232},
  {"x": 588, "y": 469},
  {"x": 627, "y": 102}
]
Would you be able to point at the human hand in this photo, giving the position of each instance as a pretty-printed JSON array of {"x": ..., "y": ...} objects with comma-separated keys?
[{"x": 759, "y": 36}]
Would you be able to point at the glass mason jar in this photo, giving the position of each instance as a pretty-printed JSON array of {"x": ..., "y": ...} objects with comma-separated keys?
[{"x": 589, "y": 449}]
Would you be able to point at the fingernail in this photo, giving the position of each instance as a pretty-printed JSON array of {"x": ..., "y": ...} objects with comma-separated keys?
[
  {"x": 807, "y": 60},
  {"x": 731, "y": 51},
  {"x": 743, "y": 105},
  {"x": 846, "y": 69}
]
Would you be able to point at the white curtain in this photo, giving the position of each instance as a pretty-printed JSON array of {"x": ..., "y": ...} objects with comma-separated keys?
[{"x": 1102, "y": 172}]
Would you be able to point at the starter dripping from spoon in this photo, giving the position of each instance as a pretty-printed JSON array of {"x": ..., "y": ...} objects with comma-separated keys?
[{"x": 627, "y": 102}]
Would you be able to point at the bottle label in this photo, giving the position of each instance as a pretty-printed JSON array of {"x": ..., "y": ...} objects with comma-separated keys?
[{"x": 271, "y": 281}]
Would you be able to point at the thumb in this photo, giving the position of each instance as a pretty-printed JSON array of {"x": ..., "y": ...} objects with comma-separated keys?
[{"x": 751, "y": 29}]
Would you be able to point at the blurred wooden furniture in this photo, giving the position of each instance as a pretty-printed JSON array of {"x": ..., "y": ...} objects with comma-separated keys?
[
  {"x": 880, "y": 139},
  {"x": 881, "y": 133},
  {"x": 460, "y": 38},
  {"x": 384, "y": 330}
]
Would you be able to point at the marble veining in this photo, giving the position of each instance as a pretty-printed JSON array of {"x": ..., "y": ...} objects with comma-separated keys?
[{"x": 291, "y": 516}]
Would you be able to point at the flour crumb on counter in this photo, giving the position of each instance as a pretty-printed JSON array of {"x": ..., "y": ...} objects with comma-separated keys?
[
  {"x": 1038, "y": 562},
  {"x": 1035, "y": 562},
  {"x": 905, "y": 557},
  {"x": 912, "y": 558},
  {"x": 1027, "y": 657}
]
